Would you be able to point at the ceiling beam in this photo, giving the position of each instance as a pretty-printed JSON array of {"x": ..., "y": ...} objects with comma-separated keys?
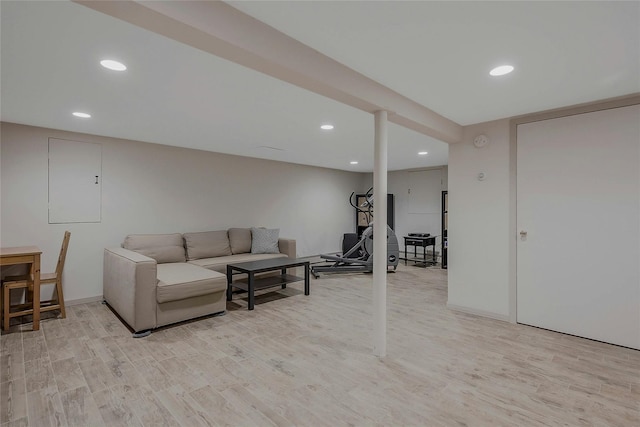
[{"x": 220, "y": 29}]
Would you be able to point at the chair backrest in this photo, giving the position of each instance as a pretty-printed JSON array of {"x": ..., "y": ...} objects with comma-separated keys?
[{"x": 63, "y": 253}]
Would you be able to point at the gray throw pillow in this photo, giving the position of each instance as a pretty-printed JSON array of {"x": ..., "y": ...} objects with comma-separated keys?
[{"x": 264, "y": 241}]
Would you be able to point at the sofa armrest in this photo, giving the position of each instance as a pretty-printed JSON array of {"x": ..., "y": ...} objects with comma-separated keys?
[
  {"x": 129, "y": 286},
  {"x": 287, "y": 247}
]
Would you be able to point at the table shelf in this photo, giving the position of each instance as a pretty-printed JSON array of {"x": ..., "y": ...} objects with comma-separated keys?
[{"x": 266, "y": 282}]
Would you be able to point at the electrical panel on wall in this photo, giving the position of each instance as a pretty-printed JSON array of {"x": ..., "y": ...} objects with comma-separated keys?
[
  {"x": 424, "y": 191},
  {"x": 75, "y": 181}
]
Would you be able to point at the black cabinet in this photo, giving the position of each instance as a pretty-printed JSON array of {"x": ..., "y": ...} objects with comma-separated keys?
[
  {"x": 445, "y": 226},
  {"x": 363, "y": 219}
]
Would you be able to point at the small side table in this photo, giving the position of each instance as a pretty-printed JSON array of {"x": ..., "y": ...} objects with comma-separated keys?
[{"x": 418, "y": 241}]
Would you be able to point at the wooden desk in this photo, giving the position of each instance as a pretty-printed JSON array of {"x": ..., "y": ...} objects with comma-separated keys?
[{"x": 25, "y": 255}]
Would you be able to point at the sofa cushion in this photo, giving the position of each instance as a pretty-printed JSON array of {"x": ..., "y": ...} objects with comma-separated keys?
[
  {"x": 240, "y": 239},
  {"x": 177, "y": 281},
  {"x": 207, "y": 244},
  {"x": 220, "y": 263},
  {"x": 161, "y": 247},
  {"x": 264, "y": 241}
]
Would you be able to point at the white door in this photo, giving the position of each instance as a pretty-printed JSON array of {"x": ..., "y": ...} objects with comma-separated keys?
[
  {"x": 75, "y": 181},
  {"x": 578, "y": 216}
]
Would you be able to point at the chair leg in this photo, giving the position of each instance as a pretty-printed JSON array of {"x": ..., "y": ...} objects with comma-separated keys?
[
  {"x": 5, "y": 308},
  {"x": 60, "y": 297}
]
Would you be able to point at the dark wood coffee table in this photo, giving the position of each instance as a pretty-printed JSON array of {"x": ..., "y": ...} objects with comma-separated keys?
[{"x": 252, "y": 283}]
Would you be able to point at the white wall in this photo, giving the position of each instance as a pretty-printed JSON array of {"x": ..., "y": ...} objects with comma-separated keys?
[
  {"x": 407, "y": 221},
  {"x": 479, "y": 215},
  {"x": 150, "y": 188},
  {"x": 398, "y": 184}
]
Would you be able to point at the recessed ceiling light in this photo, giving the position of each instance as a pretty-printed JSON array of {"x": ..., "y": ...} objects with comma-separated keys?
[
  {"x": 423, "y": 153},
  {"x": 326, "y": 127},
  {"x": 353, "y": 162},
  {"x": 82, "y": 115},
  {"x": 501, "y": 70},
  {"x": 113, "y": 65}
]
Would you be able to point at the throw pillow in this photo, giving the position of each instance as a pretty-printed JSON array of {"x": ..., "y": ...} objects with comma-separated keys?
[
  {"x": 161, "y": 247},
  {"x": 240, "y": 240},
  {"x": 207, "y": 244},
  {"x": 264, "y": 241}
]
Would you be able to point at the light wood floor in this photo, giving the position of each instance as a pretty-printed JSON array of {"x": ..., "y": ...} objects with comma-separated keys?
[{"x": 299, "y": 360}]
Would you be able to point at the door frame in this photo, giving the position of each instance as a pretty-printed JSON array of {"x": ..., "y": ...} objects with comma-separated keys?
[{"x": 624, "y": 101}]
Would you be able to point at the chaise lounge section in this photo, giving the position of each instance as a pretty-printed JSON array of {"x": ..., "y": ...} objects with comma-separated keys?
[{"x": 155, "y": 280}]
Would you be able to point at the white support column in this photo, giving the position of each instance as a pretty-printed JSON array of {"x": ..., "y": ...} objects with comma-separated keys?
[{"x": 380, "y": 236}]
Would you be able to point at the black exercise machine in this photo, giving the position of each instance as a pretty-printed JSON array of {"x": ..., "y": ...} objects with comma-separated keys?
[{"x": 359, "y": 258}]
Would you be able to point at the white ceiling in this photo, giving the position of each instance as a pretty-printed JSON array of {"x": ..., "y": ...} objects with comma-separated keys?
[
  {"x": 439, "y": 53},
  {"x": 436, "y": 53}
]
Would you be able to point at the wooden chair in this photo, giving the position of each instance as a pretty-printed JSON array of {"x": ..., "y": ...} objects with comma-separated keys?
[{"x": 26, "y": 282}]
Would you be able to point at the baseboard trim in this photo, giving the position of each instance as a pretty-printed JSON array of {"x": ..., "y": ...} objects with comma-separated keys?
[
  {"x": 83, "y": 300},
  {"x": 482, "y": 313}
]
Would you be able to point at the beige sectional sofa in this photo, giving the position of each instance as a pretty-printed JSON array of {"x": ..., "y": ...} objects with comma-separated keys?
[{"x": 158, "y": 279}]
